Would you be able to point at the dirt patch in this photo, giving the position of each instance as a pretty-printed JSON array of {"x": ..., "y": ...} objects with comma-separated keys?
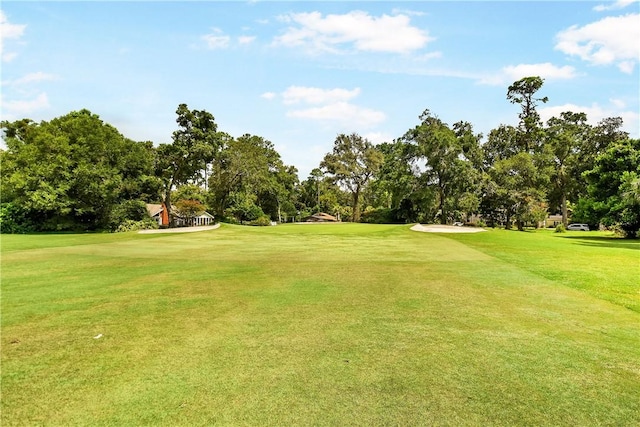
[{"x": 445, "y": 229}]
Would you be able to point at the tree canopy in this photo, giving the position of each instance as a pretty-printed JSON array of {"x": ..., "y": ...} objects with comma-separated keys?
[
  {"x": 76, "y": 172},
  {"x": 352, "y": 163},
  {"x": 70, "y": 172}
]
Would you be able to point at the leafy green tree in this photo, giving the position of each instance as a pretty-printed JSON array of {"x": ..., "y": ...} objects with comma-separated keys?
[
  {"x": 566, "y": 140},
  {"x": 243, "y": 207},
  {"x": 250, "y": 164},
  {"x": 134, "y": 211},
  {"x": 472, "y": 174},
  {"x": 15, "y": 220},
  {"x": 613, "y": 184},
  {"x": 352, "y": 163},
  {"x": 398, "y": 180},
  {"x": 516, "y": 164},
  {"x": 517, "y": 183},
  {"x": 70, "y": 172},
  {"x": 522, "y": 92},
  {"x": 195, "y": 144},
  {"x": 607, "y": 132},
  {"x": 313, "y": 186},
  {"x": 188, "y": 209},
  {"x": 189, "y": 192},
  {"x": 137, "y": 164},
  {"x": 439, "y": 149},
  {"x": 319, "y": 193}
]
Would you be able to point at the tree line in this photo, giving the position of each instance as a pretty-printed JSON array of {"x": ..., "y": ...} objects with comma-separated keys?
[{"x": 76, "y": 172}]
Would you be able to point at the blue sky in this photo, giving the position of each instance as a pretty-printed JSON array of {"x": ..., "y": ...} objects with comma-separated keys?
[{"x": 299, "y": 73}]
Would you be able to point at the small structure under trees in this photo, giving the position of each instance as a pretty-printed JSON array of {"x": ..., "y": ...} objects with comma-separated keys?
[
  {"x": 181, "y": 219},
  {"x": 321, "y": 217}
]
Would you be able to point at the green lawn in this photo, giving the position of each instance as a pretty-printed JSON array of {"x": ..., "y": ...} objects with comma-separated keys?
[{"x": 341, "y": 324}]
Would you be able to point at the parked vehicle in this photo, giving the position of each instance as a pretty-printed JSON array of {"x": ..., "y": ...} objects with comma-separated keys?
[{"x": 578, "y": 227}]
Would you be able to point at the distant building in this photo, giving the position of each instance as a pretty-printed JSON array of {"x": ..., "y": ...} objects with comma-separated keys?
[
  {"x": 160, "y": 214},
  {"x": 552, "y": 221},
  {"x": 321, "y": 217}
]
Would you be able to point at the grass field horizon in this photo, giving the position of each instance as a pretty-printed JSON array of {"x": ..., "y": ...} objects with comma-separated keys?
[{"x": 346, "y": 324}]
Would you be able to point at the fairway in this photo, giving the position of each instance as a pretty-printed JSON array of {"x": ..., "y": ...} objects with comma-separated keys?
[{"x": 325, "y": 324}]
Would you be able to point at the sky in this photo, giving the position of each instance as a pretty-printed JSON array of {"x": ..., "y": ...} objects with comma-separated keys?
[{"x": 299, "y": 73}]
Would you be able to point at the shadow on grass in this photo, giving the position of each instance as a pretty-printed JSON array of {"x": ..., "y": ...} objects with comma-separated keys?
[{"x": 606, "y": 242}]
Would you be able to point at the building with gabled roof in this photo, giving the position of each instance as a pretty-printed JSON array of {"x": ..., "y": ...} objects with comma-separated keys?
[
  {"x": 160, "y": 214},
  {"x": 321, "y": 217}
]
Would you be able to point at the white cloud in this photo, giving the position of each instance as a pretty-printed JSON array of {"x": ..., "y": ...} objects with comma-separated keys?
[
  {"x": 32, "y": 78},
  {"x": 341, "y": 112},
  {"x": 596, "y": 113},
  {"x": 328, "y": 105},
  {"x": 246, "y": 39},
  {"x": 391, "y": 34},
  {"x": 8, "y": 31},
  {"x": 12, "y": 110},
  {"x": 8, "y": 56},
  {"x": 396, "y": 11},
  {"x": 611, "y": 40},
  {"x": 620, "y": 4},
  {"x": 378, "y": 137},
  {"x": 618, "y": 103},
  {"x": 216, "y": 40},
  {"x": 314, "y": 95},
  {"x": 545, "y": 70}
]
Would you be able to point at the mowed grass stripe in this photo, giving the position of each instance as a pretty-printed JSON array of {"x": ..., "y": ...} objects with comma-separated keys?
[
  {"x": 605, "y": 267},
  {"x": 325, "y": 325}
]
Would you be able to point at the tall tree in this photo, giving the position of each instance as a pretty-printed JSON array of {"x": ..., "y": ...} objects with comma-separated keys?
[
  {"x": 440, "y": 151},
  {"x": 522, "y": 92},
  {"x": 250, "y": 165},
  {"x": 517, "y": 175},
  {"x": 398, "y": 179},
  {"x": 195, "y": 144},
  {"x": 318, "y": 193},
  {"x": 70, "y": 172},
  {"x": 566, "y": 139},
  {"x": 517, "y": 191},
  {"x": 352, "y": 163},
  {"x": 613, "y": 184}
]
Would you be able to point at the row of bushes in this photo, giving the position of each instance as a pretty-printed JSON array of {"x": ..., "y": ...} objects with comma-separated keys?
[{"x": 129, "y": 215}]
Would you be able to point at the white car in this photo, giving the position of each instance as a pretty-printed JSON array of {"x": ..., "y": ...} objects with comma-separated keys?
[{"x": 578, "y": 227}]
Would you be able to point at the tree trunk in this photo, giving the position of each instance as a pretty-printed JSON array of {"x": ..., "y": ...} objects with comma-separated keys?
[
  {"x": 279, "y": 212},
  {"x": 565, "y": 215},
  {"x": 167, "y": 206},
  {"x": 356, "y": 206},
  {"x": 443, "y": 214}
]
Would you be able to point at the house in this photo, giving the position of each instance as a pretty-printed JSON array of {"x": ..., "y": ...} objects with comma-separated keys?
[
  {"x": 159, "y": 213},
  {"x": 551, "y": 221},
  {"x": 321, "y": 217}
]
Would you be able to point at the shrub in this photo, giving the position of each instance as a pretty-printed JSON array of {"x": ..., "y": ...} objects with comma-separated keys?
[
  {"x": 230, "y": 219},
  {"x": 261, "y": 221},
  {"x": 14, "y": 219},
  {"x": 378, "y": 216},
  {"x": 131, "y": 225},
  {"x": 560, "y": 228},
  {"x": 123, "y": 214}
]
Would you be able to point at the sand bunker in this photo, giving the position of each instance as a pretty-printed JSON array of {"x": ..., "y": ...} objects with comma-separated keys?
[{"x": 445, "y": 229}]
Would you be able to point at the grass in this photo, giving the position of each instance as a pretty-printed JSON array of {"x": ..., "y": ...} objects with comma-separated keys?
[{"x": 345, "y": 324}]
